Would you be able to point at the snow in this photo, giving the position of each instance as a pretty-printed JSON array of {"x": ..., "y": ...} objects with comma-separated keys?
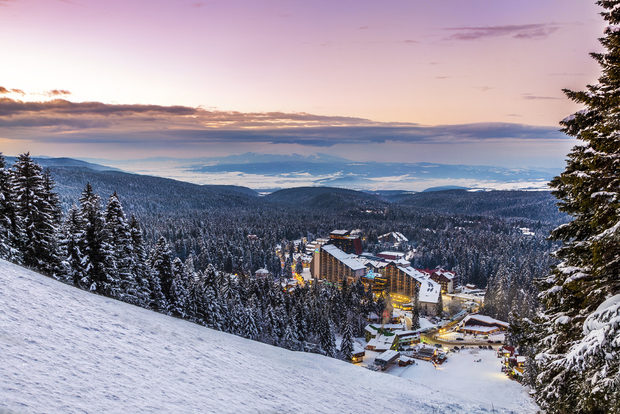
[
  {"x": 66, "y": 350},
  {"x": 485, "y": 319},
  {"x": 349, "y": 260},
  {"x": 482, "y": 381}
]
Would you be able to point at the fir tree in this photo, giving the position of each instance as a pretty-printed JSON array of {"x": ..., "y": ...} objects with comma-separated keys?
[
  {"x": 9, "y": 227},
  {"x": 346, "y": 346},
  {"x": 96, "y": 253},
  {"x": 72, "y": 246},
  {"x": 123, "y": 282},
  {"x": 161, "y": 266},
  {"x": 37, "y": 212},
  {"x": 579, "y": 349}
]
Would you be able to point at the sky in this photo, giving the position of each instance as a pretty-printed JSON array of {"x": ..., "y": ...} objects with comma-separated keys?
[{"x": 454, "y": 81}]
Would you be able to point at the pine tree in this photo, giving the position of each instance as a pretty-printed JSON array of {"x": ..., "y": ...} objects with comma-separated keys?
[
  {"x": 37, "y": 215},
  {"x": 346, "y": 346},
  {"x": 327, "y": 337},
  {"x": 140, "y": 269},
  {"x": 9, "y": 227},
  {"x": 72, "y": 246},
  {"x": 124, "y": 285},
  {"x": 579, "y": 348},
  {"x": 179, "y": 290},
  {"x": 161, "y": 266},
  {"x": 97, "y": 253}
]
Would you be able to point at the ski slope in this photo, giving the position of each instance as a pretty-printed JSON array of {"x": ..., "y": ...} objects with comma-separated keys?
[{"x": 66, "y": 350}]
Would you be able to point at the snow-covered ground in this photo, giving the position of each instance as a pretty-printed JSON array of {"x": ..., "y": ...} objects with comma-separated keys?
[
  {"x": 473, "y": 372},
  {"x": 66, "y": 350}
]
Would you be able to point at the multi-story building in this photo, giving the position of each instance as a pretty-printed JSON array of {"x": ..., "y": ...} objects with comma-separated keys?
[
  {"x": 445, "y": 278},
  {"x": 347, "y": 242},
  {"x": 334, "y": 265}
]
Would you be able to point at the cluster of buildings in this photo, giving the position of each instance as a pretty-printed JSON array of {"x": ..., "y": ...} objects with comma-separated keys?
[
  {"x": 513, "y": 364},
  {"x": 340, "y": 258}
]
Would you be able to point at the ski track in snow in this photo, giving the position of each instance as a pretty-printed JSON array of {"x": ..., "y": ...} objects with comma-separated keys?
[{"x": 63, "y": 350}]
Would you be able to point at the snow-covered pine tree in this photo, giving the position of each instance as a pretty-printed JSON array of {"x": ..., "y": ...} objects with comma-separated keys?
[
  {"x": 9, "y": 225},
  {"x": 327, "y": 337},
  {"x": 161, "y": 266},
  {"x": 179, "y": 289},
  {"x": 579, "y": 348},
  {"x": 97, "y": 253},
  {"x": 72, "y": 246},
  {"x": 37, "y": 215},
  {"x": 140, "y": 269},
  {"x": 123, "y": 282},
  {"x": 415, "y": 312},
  {"x": 346, "y": 346}
]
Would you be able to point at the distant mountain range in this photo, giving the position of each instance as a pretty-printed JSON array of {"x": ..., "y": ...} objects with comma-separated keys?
[{"x": 275, "y": 171}]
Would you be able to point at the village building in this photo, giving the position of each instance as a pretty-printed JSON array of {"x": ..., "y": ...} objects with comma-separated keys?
[
  {"x": 445, "y": 278},
  {"x": 391, "y": 255},
  {"x": 383, "y": 342},
  {"x": 482, "y": 325},
  {"x": 393, "y": 238},
  {"x": 334, "y": 265},
  {"x": 262, "y": 273},
  {"x": 386, "y": 358},
  {"x": 345, "y": 241}
]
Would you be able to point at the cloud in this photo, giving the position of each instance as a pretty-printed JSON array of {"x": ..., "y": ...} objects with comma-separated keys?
[
  {"x": 58, "y": 92},
  {"x": 483, "y": 88},
  {"x": 62, "y": 121},
  {"x": 4, "y": 90},
  {"x": 532, "y": 97},
  {"x": 522, "y": 31}
]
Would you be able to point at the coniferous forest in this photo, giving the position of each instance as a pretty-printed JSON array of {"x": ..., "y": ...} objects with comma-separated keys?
[{"x": 197, "y": 263}]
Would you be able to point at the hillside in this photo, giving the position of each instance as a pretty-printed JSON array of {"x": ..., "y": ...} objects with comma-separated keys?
[
  {"x": 324, "y": 197},
  {"x": 66, "y": 350},
  {"x": 534, "y": 205},
  {"x": 144, "y": 193}
]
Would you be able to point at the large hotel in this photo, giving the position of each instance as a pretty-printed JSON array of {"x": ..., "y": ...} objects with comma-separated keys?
[{"x": 340, "y": 258}]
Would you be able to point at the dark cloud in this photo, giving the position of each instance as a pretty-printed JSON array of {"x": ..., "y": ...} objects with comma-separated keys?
[
  {"x": 410, "y": 41},
  {"x": 63, "y": 121},
  {"x": 3, "y": 90},
  {"x": 516, "y": 31},
  {"x": 61, "y": 106}
]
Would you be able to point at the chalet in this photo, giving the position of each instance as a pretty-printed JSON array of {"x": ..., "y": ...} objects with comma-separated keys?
[
  {"x": 407, "y": 339},
  {"x": 424, "y": 352},
  {"x": 386, "y": 358},
  {"x": 262, "y": 273},
  {"x": 482, "y": 325},
  {"x": 403, "y": 361},
  {"x": 358, "y": 353},
  {"x": 383, "y": 342}
]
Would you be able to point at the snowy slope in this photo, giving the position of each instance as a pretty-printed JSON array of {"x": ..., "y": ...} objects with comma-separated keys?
[{"x": 65, "y": 350}]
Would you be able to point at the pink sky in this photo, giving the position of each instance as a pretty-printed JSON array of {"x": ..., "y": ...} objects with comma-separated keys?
[{"x": 427, "y": 62}]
